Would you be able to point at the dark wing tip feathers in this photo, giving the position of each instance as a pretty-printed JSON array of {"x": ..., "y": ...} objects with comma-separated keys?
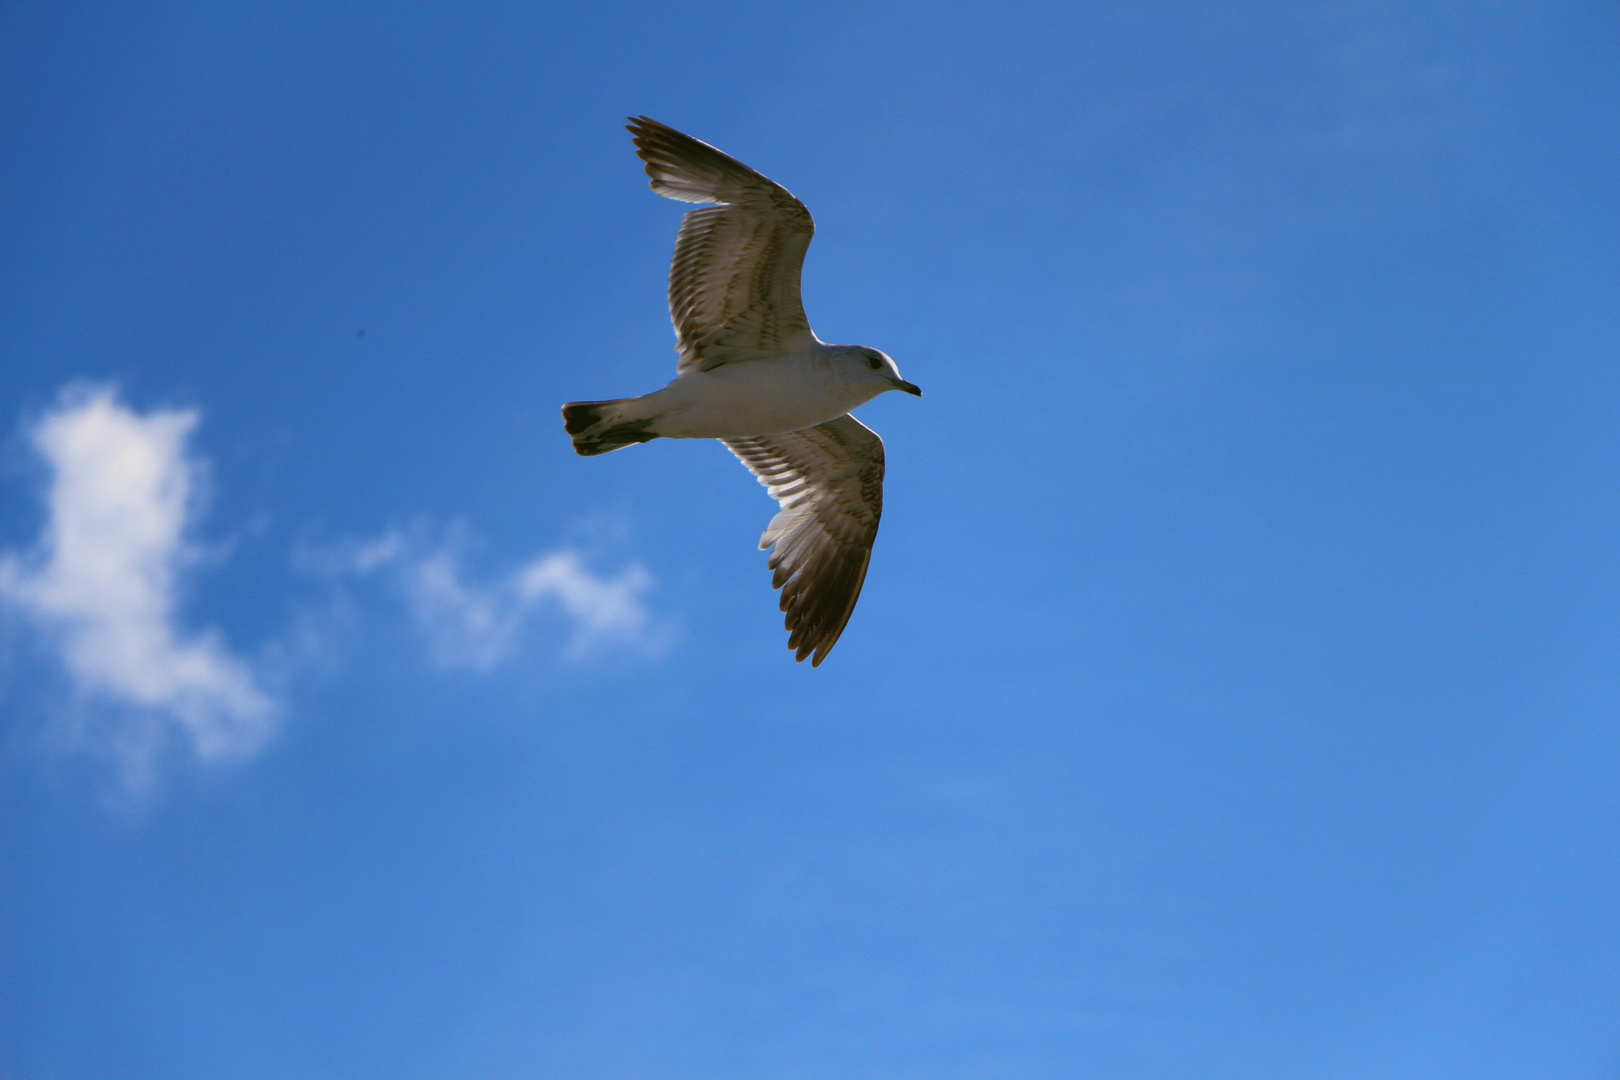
[
  {"x": 665, "y": 150},
  {"x": 816, "y": 621},
  {"x": 818, "y": 600},
  {"x": 651, "y": 137},
  {"x": 690, "y": 170}
]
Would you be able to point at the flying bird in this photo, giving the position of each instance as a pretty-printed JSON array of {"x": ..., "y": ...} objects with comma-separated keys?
[{"x": 753, "y": 375}]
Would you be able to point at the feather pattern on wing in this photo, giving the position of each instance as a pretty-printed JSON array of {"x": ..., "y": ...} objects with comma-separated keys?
[
  {"x": 828, "y": 480},
  {"x": 734, "y": 280}
]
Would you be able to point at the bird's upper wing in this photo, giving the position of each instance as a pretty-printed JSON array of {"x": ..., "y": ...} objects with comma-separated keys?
[
  {"x": 734, "y": 281},
  {"x": 829, "y": 482}
]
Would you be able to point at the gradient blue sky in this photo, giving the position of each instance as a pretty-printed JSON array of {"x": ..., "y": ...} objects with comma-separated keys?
[{"x": 1234, "y": 693}]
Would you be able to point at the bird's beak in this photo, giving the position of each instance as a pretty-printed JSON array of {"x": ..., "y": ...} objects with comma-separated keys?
[{"x": 910, "y": 388}]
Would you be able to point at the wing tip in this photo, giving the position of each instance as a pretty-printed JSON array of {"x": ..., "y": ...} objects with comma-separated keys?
[{"x": 811, "y": 631}]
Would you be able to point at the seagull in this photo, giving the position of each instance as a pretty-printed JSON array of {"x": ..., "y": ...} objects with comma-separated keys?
[{"x": 753, "y": 375}]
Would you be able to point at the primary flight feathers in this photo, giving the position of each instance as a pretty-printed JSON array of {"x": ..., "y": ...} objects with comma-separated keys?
[{"x": 828, "y": 479}]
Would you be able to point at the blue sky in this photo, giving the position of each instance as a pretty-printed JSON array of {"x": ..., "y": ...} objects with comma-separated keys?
[{"x": 1234, "y": 690}]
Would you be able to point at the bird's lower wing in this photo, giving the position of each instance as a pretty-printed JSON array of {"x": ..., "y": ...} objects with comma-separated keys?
[{"x": 828, "y": 480}]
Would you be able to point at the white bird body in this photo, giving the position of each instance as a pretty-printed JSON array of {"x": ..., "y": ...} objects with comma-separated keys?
[
  {"x": 753, "y": 375},
  {"x": 793, "y": 390}
]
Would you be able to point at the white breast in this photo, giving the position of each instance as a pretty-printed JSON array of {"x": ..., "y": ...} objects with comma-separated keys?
[{"x": 756, "y": 397}]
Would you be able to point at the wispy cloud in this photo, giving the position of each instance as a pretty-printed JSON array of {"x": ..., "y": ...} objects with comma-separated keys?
[
  {"x": 476, "y": 624},
  {"x": 100, "y": 585},
  {"x": 99, "y": 591}
]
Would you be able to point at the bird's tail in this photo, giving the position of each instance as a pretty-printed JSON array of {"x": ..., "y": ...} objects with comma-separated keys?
[{"x": 600, "y": 426}]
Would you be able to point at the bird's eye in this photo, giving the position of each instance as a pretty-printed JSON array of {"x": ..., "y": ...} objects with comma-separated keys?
[{"x": 873, "y": 362}]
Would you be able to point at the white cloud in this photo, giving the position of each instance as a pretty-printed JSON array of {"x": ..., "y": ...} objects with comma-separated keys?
[
  {"x": 100, "y": 591},
  {"x": 476, "y": 625},
  {"x": 100, "y": 584}
]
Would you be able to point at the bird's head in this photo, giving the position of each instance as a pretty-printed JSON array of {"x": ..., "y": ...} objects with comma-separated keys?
[{"x": 876, "y": 366}]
